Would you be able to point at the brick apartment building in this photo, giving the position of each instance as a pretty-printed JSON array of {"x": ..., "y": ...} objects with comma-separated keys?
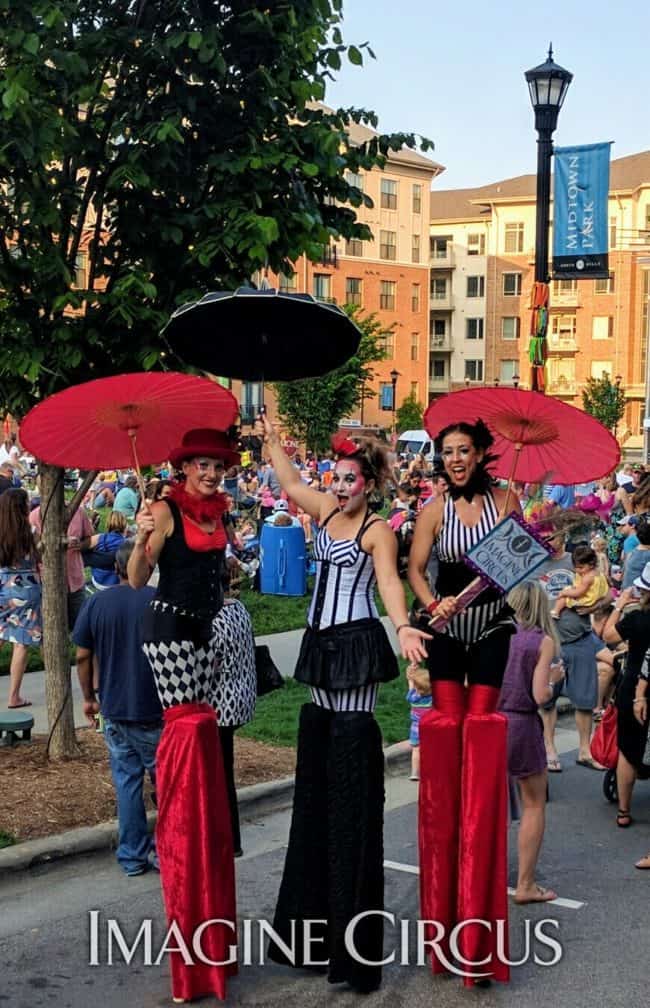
[
  {"x": 388, "y": 277},
  {"x": 482, "y": 269}
]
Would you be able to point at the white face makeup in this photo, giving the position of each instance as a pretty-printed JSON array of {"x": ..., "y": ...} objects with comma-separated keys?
[
  {"x": 459, "y": 457},
  {"x": 203, "y": 475},
  {"x": 348, "y": 485}
]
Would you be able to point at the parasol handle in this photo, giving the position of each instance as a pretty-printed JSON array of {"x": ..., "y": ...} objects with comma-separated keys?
[
  {"x": 136, "y": 465},
  {"x": 515, "y": 462}
]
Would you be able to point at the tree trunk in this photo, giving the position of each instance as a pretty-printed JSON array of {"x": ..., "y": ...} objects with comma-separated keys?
[{"x": 56, "y": 654}]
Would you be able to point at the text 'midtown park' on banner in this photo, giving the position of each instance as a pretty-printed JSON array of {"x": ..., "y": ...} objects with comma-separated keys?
[{"x": 581, "y": 189}]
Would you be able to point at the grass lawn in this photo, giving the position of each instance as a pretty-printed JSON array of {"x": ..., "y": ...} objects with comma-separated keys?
[{"x": 276, "y": 715}]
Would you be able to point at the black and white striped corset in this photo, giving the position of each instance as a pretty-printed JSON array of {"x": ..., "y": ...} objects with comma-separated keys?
[
  {"x": 453, "y": 542},
  {"x": 345, "y": 581}
]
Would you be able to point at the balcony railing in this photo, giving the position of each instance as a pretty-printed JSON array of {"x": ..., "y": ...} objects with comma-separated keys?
[
  {"x": 562, "y": 387},
  {"x": 441, "y": 302},
  {"x": 439, "y": 384},
  {"x": 561, "y": 344},
  {"x": 564, "y": 299},
  {"x": 440, "y": 260},
  {"x": 440, "y": 342}
]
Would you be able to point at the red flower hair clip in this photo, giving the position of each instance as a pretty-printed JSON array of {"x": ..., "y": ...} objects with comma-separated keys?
[{"x": 343, "y": 445}]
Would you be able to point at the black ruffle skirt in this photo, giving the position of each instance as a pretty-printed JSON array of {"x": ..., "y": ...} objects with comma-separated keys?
[{"x": 346, "y": 656}]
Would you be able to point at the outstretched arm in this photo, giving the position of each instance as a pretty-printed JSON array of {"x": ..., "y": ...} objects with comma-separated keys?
[{"x": 315, "y": 503}]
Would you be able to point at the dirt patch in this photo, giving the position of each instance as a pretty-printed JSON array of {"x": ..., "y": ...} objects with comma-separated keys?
[{"x": 40, "y": 798}]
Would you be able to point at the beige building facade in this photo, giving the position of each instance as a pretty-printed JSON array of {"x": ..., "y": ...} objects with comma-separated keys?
[{"x": 482, "y": 248}]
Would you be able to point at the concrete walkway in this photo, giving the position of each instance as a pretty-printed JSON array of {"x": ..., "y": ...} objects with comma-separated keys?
[{"x": 284, "y": 648}]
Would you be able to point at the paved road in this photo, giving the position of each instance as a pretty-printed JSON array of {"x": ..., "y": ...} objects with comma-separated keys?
[{"x": 44, "y": 923}]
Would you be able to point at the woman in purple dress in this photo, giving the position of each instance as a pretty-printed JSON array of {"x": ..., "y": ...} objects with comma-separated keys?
[{"x": 534, "y": 667}]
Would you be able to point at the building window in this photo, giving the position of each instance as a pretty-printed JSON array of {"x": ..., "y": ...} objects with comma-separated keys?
[
  {"x": 354, "y": 179},
  {"x": 388, "y": 343},
  {"x": 438, "y": 288},
  {"x": 81, "y": 271},
  {"x": 510, "y": 327},
  {"x": 646, "y": 226},
  {"x": 415, "y": 248},
  {"x": 514, "y": 238},
  {"x": 562, "y": 375},
  {"x": 387, "y": 294},
  {"x": 645, "y": 311},
  {"x": 415, "y": 297},
  {"x": 612, "y": 232},
  {"x": 415, "y": 390},
  {"x": 511, "y": 284},
  {"x": 322, "y": 287},
  {"x": 388, "y": 194},
  {"x": 438, "y": 372},
  {"x": 475, "y": 286},
  {"x": 439, "y": 328},
  {"x": 563, "y": 328},
  {"x": 287, "y": 282},
  {"x": 415, "y": 346},
  {"x": 354, "y": 247},
  {"x": 474, "y": 328},
  {"x": 508, "y": 370},
  {"x": 440, "y": 246},
  {"x": 600, "y": 368},
  {"x": 474, "y": 370},
  {"x": 386, "y": 395},
  {"x": 388, "y": 245},
  {"x": 353, "y": 291},
  {"x": 252, "y": 398},
  {"x": 417, "y": 198},
  {"x": 475, "y": 244},
  {"x": 606, "y": 285},
  {"x": 602, "y": 327}
]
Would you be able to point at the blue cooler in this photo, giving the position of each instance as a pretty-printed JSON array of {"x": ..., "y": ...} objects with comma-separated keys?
[{"x": 283, "y": 569}]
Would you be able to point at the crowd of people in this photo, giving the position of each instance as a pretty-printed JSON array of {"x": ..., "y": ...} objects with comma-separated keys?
[{"x": 167, "y": 664}]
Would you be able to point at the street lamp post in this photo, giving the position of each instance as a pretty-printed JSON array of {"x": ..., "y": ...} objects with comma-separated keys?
[
  {"x": 394, "y": 375},
  {"x": 548, "y": 84},
  {"x": 515, "y": 380}
]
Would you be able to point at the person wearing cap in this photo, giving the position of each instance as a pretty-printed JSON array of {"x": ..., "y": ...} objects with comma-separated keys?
[
  {"x": 630, "y": 621},
  {"x": 628, "y": 526},
  {"x": 281, "y": 515},
  {"x": 186, "y": 537}
]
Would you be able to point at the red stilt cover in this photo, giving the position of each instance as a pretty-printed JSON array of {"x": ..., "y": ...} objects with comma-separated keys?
[
  {"x": 194, "y": 843},
  {"x": 441, "y": 731},
  {"x": 483, "y": 868}
]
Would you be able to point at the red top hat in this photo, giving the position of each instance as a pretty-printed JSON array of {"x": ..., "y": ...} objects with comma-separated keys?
[{"x": 204, "y": 441}]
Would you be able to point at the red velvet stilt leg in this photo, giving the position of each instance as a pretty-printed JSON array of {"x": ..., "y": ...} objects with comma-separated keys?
[
  {"x": 439, "y": 809},
  {"x": 483, "y": 867},
  {"x": 194, "y": 844}
]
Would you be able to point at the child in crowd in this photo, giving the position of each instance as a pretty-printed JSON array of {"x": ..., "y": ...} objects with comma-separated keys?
[
  {"x": 533, "y": 670},
  {"x": 419, "y": 697},
  {"x": 589, "y": 585},
  {"x": 599, "y": 546}
]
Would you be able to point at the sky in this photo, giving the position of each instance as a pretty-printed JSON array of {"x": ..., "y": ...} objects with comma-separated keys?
[{"x": 453, "y": 72}]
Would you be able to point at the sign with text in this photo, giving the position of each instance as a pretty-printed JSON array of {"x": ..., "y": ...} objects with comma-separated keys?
[
  {"x": 508, "y": 554},
  {"x": 580, "y": 194}
]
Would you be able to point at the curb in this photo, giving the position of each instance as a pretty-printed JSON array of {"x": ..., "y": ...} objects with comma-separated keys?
[{"x": 254, "y": 800}]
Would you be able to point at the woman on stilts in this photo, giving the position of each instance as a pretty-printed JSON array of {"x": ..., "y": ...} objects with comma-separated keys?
[
  {"x": 462, "y": 827},
  {"x": 334, "y": 864}
]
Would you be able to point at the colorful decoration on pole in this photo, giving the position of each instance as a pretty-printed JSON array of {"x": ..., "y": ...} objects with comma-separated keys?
[
  {"x": 581, "y": 192},
  {"x": 537, "y": 347}
]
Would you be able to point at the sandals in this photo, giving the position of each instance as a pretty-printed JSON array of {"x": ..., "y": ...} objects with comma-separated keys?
[
  {"x": 620, "y": 816},
  {"x": 553, "y": 765},
  {"x": 644, "y": 863}
]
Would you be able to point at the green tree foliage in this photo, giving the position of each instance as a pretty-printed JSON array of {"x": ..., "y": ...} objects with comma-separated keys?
[
  {"x": 409, "y": 415},
  {"x": 150, "y": 152},
  {"x": 605, "y": 400},
  {"x": 313, "y": 408}
]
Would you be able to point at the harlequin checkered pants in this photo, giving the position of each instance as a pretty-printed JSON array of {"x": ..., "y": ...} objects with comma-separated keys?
[{"x": 184, "y": 672}]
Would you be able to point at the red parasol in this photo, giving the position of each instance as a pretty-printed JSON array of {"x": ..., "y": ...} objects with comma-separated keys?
[
  {"x": 96, "y": 425},
  {"x": 535, "y": 436}
]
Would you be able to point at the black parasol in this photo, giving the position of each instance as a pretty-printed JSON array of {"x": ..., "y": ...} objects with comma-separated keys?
[{"x": 262, "y": 335}]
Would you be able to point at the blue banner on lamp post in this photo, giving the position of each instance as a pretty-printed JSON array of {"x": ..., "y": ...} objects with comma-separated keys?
[{"x": 581, "y": 191}]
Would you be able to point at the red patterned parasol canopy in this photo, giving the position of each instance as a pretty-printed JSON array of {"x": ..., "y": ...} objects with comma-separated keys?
[
  {"x": 536, "y": 437},
  {"x": 96, "y": 425}
]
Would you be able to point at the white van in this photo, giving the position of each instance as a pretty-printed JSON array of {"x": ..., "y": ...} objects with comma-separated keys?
[{"x": 416, "y": 442}]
